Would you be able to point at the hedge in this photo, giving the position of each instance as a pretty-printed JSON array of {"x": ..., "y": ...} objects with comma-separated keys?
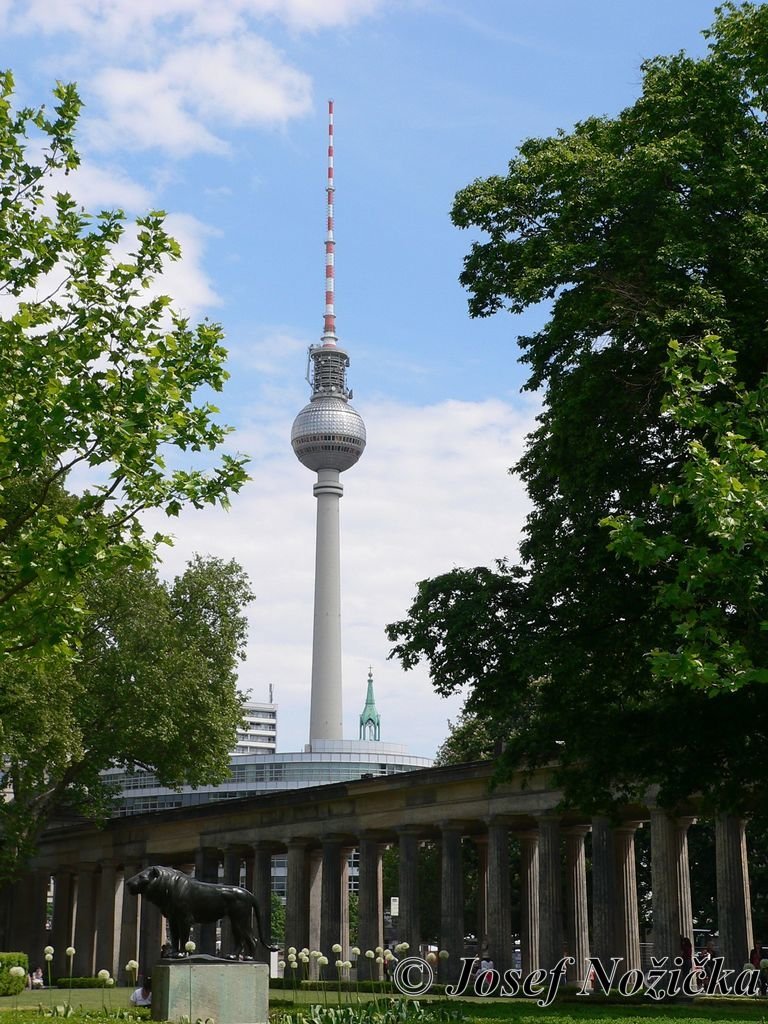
[
  {"x": 385, "y": 988},
  {"x": 79, "y": 983},
  {"x": 12, "y": 986}
]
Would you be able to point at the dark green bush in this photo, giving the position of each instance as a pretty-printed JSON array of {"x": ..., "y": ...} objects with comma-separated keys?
[
  {"x": 12, "y": 986},
  {"x": 347, "y": 986},
  {"x": 79, "y": 983}
]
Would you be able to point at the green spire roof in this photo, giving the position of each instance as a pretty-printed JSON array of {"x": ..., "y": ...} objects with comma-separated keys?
[{"x": 370, "y": 722}]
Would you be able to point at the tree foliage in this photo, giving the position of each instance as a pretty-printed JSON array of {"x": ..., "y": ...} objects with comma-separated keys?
[
  {"x": 97, "y": 376},
  {"x": 635, "y": 229},
  {"x": 470, "y": 738},
  {"x": 153, "y": 687},
  {"x": 715, "y": 555}
]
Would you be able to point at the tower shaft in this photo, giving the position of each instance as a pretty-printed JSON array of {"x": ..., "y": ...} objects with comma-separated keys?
[{"x": 325, "y": 717}]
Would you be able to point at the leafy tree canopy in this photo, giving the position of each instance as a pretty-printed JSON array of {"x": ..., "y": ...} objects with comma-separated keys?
[
  {"x": 153, "y": 687},
  {"x": 470, "y": 738},
  {"x": 97, "y": 374},
  {"x": 636, "y": 230},
  {"x": 715, "y": 557}
]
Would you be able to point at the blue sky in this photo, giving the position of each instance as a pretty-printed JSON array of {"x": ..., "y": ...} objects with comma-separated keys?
[{"x": 216, "y": 113}]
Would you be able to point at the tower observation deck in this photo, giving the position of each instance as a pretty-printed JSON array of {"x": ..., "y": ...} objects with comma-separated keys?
[{"x": 328, "y": 437}]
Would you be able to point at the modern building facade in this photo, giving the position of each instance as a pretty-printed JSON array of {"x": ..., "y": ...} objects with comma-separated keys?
[{"x": 257, "y": 767}]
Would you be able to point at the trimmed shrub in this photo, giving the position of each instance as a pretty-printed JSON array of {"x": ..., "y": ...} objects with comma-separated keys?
[
  {"x": 79, "y": 983},
  {"x": 12, "y": 986}
]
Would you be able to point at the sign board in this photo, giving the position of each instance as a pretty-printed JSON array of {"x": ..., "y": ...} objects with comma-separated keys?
[{"x": 394, "y": 906}]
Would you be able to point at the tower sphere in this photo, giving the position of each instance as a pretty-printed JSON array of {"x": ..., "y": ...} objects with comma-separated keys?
[{"x": 328, "y": 434}]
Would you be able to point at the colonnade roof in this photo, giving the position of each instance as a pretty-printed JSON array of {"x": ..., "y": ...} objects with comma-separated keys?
[{"x": 425, "y": 801}]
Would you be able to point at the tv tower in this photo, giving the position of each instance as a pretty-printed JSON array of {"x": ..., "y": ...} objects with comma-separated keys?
[{"x": 328, "y": 436}]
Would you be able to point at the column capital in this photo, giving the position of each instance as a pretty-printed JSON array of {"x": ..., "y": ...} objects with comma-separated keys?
[
  {"x": 627, "y": 827},
  {"x": 548, "y": 818},
  {"x": 263, "y": 846},
  {"x": 298, "y": 841},
  {"x": 504, "y": 820},
  {"x": 410, "y": 830},
  {"x": 575, "y": 831},
  {"x": 373, "y": 836},
  {"x": 209, "y": 848},
  {"x": 686, "y": 821},
  {"x": 452, "y": 825}
]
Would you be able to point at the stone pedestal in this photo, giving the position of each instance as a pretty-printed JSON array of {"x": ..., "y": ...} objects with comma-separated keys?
[{"x": 230, "y": 993}]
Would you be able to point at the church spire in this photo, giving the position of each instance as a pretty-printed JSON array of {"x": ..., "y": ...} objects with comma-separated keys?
[{"x": 370, "y": 721}]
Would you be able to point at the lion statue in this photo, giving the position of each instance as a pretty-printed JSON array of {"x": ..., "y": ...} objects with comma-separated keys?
[{"x": 185, "y": 901}]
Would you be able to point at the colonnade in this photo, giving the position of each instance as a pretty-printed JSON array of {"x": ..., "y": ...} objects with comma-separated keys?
[{"x": 93, "y": 911}]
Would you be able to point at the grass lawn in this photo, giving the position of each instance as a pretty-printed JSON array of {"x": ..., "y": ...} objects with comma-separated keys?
[
  {"x": 88, "y": 998},
  {"x": 482, "y": 1011}
]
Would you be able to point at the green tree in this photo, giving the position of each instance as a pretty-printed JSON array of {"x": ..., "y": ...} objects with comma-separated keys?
[
  {"x": 98, "y": 375},
  {"x": 153, "y": 687},
  {"x": 470, "y": 739},
  {"x": 278, "y": 919},
  {"x": 635, "y": 229},
  {"x": 354, "y": 918},
  {"x": 715, "y": 554}
]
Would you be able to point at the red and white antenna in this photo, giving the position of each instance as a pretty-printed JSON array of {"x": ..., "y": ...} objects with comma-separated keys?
[{"x": 329, "y": 325}]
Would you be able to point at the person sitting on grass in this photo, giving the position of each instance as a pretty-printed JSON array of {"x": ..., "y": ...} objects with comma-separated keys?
[{"x": 143, "y": 996}]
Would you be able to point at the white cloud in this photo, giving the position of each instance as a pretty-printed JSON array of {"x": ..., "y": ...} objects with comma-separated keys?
[
  {"x": 186, "y": 280},
  {"x": 104, "y": 188},
  {"x": 175, "y": 75},
  {"x": 169, "y": 106},
  {"x": 128, "y": 23},
  {"x": 431, "y": 492}
]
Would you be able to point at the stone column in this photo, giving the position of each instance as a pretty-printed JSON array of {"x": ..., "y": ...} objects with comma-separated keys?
[
  {"x": 604, "y": 940},
  {"x": 410, "y": 927},
  {"x": 370, "y": 898},
  {"x": 734, "y": 912},
  {"x": 498, "y": 900},
  {"x": 346, "y": 854},
  {"x": 129, "y": 925},
  {"x": 452, "y": 902},
  {"x": 666, "y": 914},
  {"x": 550, "y": 899},
  {"x": 315, "y": 889},
  {"x": 576, "y": 894},
  {"x": 331, "y": 895},
  {"x": 105, "y": 919},
  {"x": 297, "y": 896},
  {"x": 62, "y": 932},
  {"x": 685, "y": 910},
  {"x": 206, "y": 870},
  {"x": 483, "y": 938},
  {"x": 21, "y": 922},
  {"x": 232, "y": 861},
  {"x": 249, "y": 869},
  {"x": 6, "y": 911},
  {"x": 85, "y": 921},
  {"x": 628, "y": 919},
  {"x": 261, "y": 887},
  {"x": 529, "y": 900},
  {"x": 150, "y": 937},
  {"x": 38, "y": 915}
]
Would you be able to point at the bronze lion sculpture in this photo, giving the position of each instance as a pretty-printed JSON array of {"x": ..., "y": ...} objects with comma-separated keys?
[{"x": 185, "y": 901}]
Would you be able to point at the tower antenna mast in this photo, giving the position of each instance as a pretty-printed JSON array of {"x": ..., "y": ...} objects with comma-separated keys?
[{"x": 329, "y": 322}]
